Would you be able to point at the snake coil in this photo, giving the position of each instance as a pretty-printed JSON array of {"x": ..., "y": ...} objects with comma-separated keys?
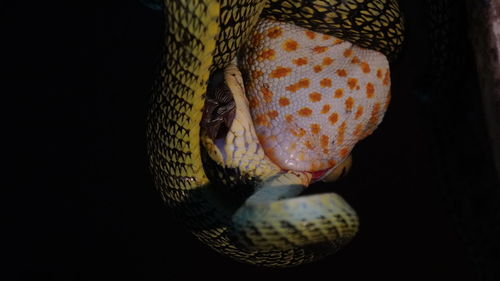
[{"x": 271, "y": 227}]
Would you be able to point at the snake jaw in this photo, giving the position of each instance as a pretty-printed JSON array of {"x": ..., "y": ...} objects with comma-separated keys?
[
  {"x": 220, "y": 138},
  {"x": 239, "y": 148},
  {"x": 336, "y": 172}
]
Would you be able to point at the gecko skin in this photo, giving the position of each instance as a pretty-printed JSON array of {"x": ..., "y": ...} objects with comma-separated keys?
[{"x": 312, "y": 96}]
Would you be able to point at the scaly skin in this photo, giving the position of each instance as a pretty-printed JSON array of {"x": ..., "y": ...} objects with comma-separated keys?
[
  {"x": 203, "y": 36},
  {"x": 266, "y": 222},
  {"x": 312, "y": 96}
]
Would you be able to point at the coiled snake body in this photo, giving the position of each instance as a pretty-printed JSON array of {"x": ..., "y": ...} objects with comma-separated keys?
[{"x": 253, "y": 216}]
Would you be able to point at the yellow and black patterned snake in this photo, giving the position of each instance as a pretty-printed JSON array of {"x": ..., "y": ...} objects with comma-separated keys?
[{"x": 243, "y": 205}]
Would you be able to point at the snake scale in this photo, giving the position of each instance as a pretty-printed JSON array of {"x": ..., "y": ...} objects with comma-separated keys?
[{"x": 249, "y": 211}]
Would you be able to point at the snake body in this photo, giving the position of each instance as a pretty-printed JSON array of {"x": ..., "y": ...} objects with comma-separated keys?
[{"x": 267, "y": 228}]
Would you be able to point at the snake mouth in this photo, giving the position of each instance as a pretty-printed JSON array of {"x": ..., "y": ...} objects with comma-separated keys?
[
  {"x": 319, "y": 174},
  {"x": 231, "y": 140},
  {"x": 334, "y": 173}
]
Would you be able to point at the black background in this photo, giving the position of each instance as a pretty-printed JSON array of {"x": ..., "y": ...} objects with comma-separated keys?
[{"x": 116, "y": 227}]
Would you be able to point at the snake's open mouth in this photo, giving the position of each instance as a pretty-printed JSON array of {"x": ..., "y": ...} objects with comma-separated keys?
[
  {"x": 218, "y": 116},
  {"x": 319, "y": 174}
]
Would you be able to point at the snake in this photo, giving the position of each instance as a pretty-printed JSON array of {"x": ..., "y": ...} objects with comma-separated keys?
[{"x": 228, "y": 158}]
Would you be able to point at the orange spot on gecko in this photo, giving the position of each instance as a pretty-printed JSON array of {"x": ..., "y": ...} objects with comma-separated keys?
[
  {"x": 387, "y": 78},
  {"x": 344, "y": 152},
  {"x": 324, "y": 141},
  {"x": 283, "y": 101},
  {"x": 338, "y": 41},
  {"x": 315, "y": 128},
  {"x": 349, "y": 102},
  {"x": 374, "y": 116},
  {"x": 302, "y": 83},
  {"x": 289, "y": 118},
  {"x": 352, "y": 83},
  {"x": 250, "y": 60},
  {"x": 253, "y": 102},
  {"x": 290, "y": 45},
  {"x": 310, "y": 34},
  {"x": 267, "y": 94},
  {"x": 256, "y": 74},
  {"x": 317, "y": 68},
  {"x": 274, "y": 32},
  {"x": 359, "y": 112},
  {"x": 370, "y": 90},
  {"x": 327, "y": 61},
  {"x": 355, "y": 60},
  {"x": 299, "y": 133},
  {"x": 257, "y": 38},
  {"x": 320, "y": 49},
  {"x": 315, "y": 96},
  {"x": 365, "y": 67},
  {"x": 266, "y": 54},
  {"x": 262, "y": 139},
  {"x": 326, "y": 37},
  {"x": 325, "y": 108},
  {"x": 359, "y": 128},
  {"x": 341, "y": 133},
  {"x": 300, "y": 61},
  {"x": 347, "y": 52},
  {"x": 272, "y": 114},
  {"x": 325, "y": 82},
  {"x": 341, "y": 72},
  {"x": 331, "y": 162},
  {"x": 280, "y": 72},
  {"x": 339, "y": 93},
  {"x": 261, "y": 120},
  {"x": 305, "y": 112},
  {"x": 380, "y": 73},
  {"x": 309, "y": 145},
  {"x": 333, "y": 118}
]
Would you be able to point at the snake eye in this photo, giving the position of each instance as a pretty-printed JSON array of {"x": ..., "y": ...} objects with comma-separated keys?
[{"x": 340, "y": 171}]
